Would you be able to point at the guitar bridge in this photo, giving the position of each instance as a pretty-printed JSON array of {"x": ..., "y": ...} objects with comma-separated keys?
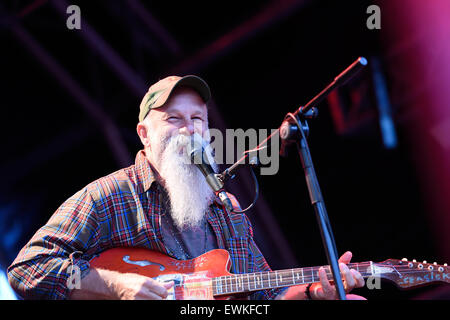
[{"x": 176, "y": 278}]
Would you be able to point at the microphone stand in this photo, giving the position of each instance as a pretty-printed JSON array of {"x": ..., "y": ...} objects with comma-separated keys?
[{"x": 295, "y": 129}]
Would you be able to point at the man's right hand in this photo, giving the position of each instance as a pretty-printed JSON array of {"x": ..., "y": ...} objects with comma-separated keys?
[
  {"x": 112, "y": 285},
  {"x": 130, "y": 286}
]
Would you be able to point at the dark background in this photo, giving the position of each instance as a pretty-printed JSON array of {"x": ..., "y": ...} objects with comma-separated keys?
[{"x": 261, "y": 59}]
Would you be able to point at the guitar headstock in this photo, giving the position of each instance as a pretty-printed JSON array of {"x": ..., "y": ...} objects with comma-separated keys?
[{"x": 406, "y": 274}]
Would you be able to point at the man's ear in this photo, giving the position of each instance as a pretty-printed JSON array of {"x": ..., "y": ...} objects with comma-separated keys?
[{"x": 142, "y": 132}]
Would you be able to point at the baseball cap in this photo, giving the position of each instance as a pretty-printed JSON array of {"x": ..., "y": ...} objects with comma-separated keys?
[{"x": 159, "y": 92}]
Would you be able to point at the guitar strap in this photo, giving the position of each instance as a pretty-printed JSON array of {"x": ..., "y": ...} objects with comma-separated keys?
[{"x": 233, "y": 221}]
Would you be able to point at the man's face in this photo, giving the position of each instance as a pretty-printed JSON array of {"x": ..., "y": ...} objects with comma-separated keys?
[
  {"x": 184, "y": 113},
  {"x": 164, "y": 133}
]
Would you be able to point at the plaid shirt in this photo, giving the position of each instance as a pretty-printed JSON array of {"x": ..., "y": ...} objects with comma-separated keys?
[{"x": 119, "y": 210}]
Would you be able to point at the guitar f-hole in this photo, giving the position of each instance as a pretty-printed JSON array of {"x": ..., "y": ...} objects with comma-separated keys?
[{"x": 142, "y": 263}]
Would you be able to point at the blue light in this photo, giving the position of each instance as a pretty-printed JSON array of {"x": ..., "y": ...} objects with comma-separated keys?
[
  {"x": 363, "y": 61},
  {"x": 6, "y": 293}
]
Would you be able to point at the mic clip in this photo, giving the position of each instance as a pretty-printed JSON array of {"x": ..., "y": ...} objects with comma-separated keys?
[
  {"x": 290, "y": 128},
  {"x": 228, "y": 174}
]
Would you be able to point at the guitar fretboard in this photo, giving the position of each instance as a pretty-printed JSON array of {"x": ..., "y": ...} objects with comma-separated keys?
[{"x": 248, "y": 282}]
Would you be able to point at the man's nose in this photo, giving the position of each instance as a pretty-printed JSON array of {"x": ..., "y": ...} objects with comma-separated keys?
[{"x": 188, "y": 128}]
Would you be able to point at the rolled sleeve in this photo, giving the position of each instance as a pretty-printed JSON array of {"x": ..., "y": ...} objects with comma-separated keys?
[{"x": 57, "y": 252}]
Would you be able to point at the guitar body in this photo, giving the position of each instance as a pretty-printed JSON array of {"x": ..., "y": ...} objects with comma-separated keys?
[{"x": 193, "y": 278}]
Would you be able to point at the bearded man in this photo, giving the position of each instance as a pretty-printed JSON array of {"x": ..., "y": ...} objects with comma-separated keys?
[{"x": 162, "y": 203}]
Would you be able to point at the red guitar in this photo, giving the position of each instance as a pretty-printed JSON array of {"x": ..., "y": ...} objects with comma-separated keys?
[{"x": 208, "y": 277}]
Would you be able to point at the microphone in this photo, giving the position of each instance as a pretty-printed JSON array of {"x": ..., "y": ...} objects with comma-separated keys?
[{"x": 199, "y": 157}]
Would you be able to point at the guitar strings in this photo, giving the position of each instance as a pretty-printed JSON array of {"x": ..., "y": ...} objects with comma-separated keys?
[
  {"x": 288, "y": 273},
  {"x": 360, "y": 266},
  {"x": 238, "y": 280},
  {"x": 265, "y": 283},
  {"x": 290, "y": 277}
]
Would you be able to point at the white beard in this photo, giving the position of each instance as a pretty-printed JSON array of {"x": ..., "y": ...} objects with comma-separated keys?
[{"x": 189, "y": 194}]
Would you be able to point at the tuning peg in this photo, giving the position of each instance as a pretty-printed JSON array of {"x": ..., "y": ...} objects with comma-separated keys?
[
  {"x": 404, "y": 259},
  {"x": 414, "y": 260},
  {"x": 424, "y": 261},
  {"x": 435, "y": 263},
  {"x": 445, "y": 264}
]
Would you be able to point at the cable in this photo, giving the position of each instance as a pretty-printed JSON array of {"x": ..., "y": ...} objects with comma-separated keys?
[{"x": 256, "y": 193}]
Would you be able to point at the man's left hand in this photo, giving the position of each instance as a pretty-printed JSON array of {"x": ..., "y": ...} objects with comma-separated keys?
[{"x": 324, "y": 290}]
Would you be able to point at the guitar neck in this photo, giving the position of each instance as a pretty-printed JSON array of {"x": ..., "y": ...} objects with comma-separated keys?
[{"x": 239, "y": 283}]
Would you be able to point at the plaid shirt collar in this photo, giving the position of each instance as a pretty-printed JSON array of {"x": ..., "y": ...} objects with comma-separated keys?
[{"x": 144, "y": 173}]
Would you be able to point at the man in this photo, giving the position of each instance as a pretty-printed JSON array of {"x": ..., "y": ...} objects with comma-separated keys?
[{"x": 162, "y": 203}]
